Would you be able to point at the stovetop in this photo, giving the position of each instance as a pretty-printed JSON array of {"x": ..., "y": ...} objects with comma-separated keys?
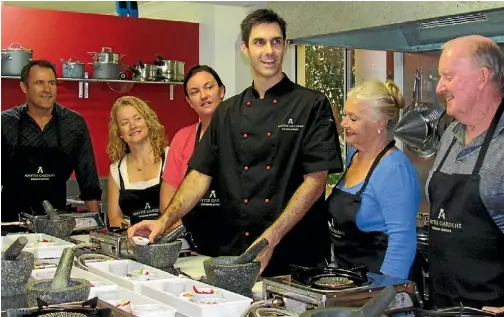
[
  {"x": 300, "y": 293},
  {"x": 92, "y": 307}
]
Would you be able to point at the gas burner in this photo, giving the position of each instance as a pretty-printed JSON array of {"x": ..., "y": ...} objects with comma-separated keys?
[
  {"x": 310, "y": 288},
  {"x": 330, "y": 278},
  {"x": 85, "y": 309}
]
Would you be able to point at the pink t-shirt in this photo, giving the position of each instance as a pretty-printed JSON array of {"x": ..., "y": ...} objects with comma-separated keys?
[{"x": 181, "y": 150}]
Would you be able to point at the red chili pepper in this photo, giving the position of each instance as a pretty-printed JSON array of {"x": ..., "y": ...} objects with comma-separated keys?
[
  {"x": 202, "y": 292},
  {"x": 146, "y": 273},
  {"x": 44, "y": 240}
]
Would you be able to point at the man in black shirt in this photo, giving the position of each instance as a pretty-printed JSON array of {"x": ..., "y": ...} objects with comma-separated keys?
[
  {"x": 42, "y": 144},
  {"x": 270, "y": 149}
]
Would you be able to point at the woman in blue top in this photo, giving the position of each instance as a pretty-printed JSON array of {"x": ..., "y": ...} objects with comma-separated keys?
[{"x": 373, "y": 208}]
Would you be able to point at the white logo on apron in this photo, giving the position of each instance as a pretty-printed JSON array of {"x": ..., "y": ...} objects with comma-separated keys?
[
  {"x": 290, "y": 121},
  {"x": 147, "y": 206},
  {"x": 211, "y": 201},
  {"x": 441, "y": 214},
  {"x": 290, "y": 126},
  {"x": 146, "y": 212},
  {"x": 40, "y": 176},
  {"x": 443, "y": 225}
]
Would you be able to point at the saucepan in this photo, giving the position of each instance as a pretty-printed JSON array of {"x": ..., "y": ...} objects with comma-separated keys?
[{"x": 14, "y": 59}]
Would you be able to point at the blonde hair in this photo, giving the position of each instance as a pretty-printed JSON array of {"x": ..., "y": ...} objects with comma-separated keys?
[
  {"x": 117, "y": 148},
  {"x": 384, "y": 98}
]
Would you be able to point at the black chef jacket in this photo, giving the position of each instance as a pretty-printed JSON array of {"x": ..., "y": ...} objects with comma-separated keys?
[
  {"x": 259, "y": 150},
  {"x": 66, "y": 144}
]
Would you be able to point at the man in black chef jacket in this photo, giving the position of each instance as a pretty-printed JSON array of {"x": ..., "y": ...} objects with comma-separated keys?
[
  {"x": 466, "y": 185},
  {"x": 42, "y": 144},
  {"x": 270, "y": 149}
]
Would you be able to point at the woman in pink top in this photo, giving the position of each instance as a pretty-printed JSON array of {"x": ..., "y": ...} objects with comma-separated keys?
[{"x": 204, "y": 92}]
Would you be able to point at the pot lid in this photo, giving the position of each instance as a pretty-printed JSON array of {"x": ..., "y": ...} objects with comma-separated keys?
[
  {"x": 12, "y": 47},
  {"x": 72, "y": 60}
]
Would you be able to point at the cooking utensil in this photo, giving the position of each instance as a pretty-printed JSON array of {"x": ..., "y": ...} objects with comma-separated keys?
[
  {"x": 73, "y": 68},
  {"x": 252, "y": 252},
  {"x": 172, "y": 235},
  {"x": 373, "y": 308},
  {"x": 14, "y": 59},
  {"x": 17, "y": 266},
  {"x": 105, "y": 70},
  {"x": 61, "y": 289},
  {"x": 106, "y": 56},
  {"x": 169, "y": 70},
  {"x": 50, "y": 211},
  {"x": 159, "y": 255}
]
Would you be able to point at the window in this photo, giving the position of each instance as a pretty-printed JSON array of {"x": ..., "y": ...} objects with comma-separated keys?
[{"x": 323, "y": 68}]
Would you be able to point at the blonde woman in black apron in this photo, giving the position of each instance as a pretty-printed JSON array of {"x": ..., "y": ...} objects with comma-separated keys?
[{"x": 138, "y": 149}]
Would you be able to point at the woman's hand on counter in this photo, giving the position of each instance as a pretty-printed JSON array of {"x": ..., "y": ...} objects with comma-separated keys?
[{"x": 147, "y": 229}]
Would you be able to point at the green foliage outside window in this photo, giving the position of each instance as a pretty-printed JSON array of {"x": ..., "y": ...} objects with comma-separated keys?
[{"x": 325, "y": 72}]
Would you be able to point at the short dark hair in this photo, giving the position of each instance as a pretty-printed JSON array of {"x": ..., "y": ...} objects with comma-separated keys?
[
  {"x": 25, "y": 72},
  {"x": 198, "y": 69},
  {"x": 261, "y": 16}
]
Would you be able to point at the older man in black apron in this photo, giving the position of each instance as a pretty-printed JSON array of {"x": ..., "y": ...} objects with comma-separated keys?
[
  {"x": 271, "y": 148},
  {"x": 466, "y": 234},
  {"x": 42, "y": 144}
]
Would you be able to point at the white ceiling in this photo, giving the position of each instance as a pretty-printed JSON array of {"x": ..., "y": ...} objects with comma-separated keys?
[{"x": 106, "y": 7}]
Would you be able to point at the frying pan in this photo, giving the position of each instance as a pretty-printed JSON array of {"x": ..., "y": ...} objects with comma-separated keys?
[{"x": 312, "y": 276}]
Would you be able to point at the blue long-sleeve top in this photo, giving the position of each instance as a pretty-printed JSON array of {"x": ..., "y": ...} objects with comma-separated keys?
[{"x": 389, "y": 204}]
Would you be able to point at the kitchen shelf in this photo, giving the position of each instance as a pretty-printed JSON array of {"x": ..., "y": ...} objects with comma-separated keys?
[{"x": 84, "y": 88}]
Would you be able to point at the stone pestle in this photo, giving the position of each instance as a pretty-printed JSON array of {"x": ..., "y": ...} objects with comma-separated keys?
[
  {"x": 14, "y": 250},
  {"x": 377, "y": 305},
  {"x": 50, "y": 211},
  {"x": 252, "y": 252},
  {"x": 62, "y": 275},
  {"x": 172, "y": 235},
  {"x": 61, "y": 288}
]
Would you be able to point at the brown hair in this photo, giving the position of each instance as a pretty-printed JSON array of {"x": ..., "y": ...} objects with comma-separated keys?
[{"x": 117, "y": 148}]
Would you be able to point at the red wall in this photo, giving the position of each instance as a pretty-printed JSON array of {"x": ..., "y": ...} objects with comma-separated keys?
[{"x": 54, "y": 35}]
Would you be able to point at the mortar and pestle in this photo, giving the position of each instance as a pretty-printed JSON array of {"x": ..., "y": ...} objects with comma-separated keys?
[
  {"x": 54, "y": 225},
  {"x": 163, "y": 253},
  {"x": 17, "y": 266},
  {"x": 61, "y": 288},
  {"x": 237, "y": 274},
  {"x": 375, "y": 307}
]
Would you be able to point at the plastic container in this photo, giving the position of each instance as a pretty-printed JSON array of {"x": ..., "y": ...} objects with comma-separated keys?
[
  {"x": 127, "y": 273},
  {"x": 132, "y": 302},
  {"x": 42, "y": 246},
  {"x": 173, "y": 292}
]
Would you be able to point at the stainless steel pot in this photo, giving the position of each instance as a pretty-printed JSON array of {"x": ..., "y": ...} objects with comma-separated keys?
[
  {"x": 14, "y": 59},
  {"x": 105, "y": 70},
  {"x": 144, "y": 72},
  {"x": 170, "y": 70},
  {"x": 73, "y": 68},
  {"x": 106, "y": 56}
]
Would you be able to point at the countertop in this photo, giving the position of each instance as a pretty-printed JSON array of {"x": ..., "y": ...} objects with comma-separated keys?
[{"x": 192, "y": 266}]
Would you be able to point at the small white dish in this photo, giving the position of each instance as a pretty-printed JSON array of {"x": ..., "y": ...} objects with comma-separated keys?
[
  {"x": 140, "y": 240},
  {"x": 121, "y": 304}
]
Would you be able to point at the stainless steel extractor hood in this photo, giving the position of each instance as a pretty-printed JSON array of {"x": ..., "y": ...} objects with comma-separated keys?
[{"x": 416, "y": 36}]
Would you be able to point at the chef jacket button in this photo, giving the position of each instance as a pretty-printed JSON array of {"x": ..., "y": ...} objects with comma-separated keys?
[
  {"x": 248, "y": 103},
  {"x": 266, "y": 200},
  {"x": 275, "y": 101},
  {"x": 245, "y": 201},
  {"x": 268, "y": 168},
  {"x": 268, "y": 134},
  {"x": 247, "y": 234},
  {"x": 246, "y": 168},
  {"x": 245, "y": 135}
]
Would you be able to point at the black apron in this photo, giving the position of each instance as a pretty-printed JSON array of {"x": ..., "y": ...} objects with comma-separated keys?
[
  {"x": 351, "y": 246},
  {"x": 466, "y": 248},
  {"x": 36, "y": 174},
  {"x": 203, "y": 220},
  {"x": 140, "y": 204}
]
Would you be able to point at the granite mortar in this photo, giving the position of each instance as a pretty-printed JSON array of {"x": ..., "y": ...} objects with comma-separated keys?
[
  {"x": 77, "y": 291},
  {"x": 61, "y": 228},
  {"x": 15, "y": 273},
  {"x": 160, "y": 256},
  {"x": 237, "y": 278}
]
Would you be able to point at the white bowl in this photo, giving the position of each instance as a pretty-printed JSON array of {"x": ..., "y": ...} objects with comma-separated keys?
[
  {"x": 140, "y": 240},
  {"x": 120, "y": 304}
]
